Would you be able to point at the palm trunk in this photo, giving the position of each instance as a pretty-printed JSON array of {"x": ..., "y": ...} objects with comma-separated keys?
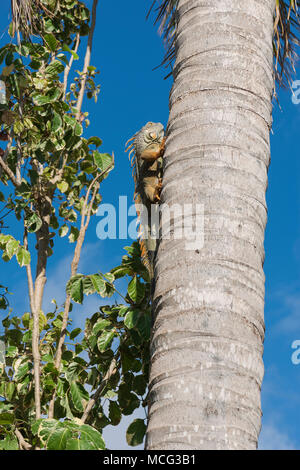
[{"x": 207, "y": 344}]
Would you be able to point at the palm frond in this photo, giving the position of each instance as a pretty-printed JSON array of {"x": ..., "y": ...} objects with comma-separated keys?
[
  {"x": 285, "y": 42},
  {"x": 25, "y": 16},
  {"x": 165, "y": 12},
  {"x": 22, "y": 16}
]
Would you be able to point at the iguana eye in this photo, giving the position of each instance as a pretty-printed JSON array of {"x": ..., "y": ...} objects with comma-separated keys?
[{"x": 153, "y": 135}]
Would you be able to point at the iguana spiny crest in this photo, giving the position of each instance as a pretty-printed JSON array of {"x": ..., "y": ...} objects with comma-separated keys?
[{"x": 146, "y": 151}]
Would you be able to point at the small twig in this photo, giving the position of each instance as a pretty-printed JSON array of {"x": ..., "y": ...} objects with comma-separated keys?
[
  {"x": 6, "y": 152},
  {"x": 111, "y": 371},
  {"x": 84, "y": 209},
  {"x": 29, "y": 274},
  {"x": 69, "y": 66},
  {"x": 9, "y": 172},
  {"x": 19, "y": 145},
  {"x": 4, "y": 165},
  {"x": 59, "y": 175},
  {"x": 22, "y": 443},
  {"x": 87, "y": 60}
]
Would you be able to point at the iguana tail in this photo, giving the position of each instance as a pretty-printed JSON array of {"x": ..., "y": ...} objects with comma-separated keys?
[
  {"x": 130, "y": 147},
  {"x": 150, "y": 134}
]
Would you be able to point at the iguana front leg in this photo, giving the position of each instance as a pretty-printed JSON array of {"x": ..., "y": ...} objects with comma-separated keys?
[
  {"x": 154, "y": 151},
  {"x": 152, "y": 188},
  {"x": 158, "y": 190}
]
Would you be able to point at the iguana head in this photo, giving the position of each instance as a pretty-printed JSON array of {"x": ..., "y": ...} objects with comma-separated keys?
[{"x": 151, "y": 133}]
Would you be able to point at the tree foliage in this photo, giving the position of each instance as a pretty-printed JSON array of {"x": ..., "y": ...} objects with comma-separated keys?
[
  {"x": 104, "y": 370},
  {"x": 60, "y": 387},
  {"x": 285, "y": 43}
]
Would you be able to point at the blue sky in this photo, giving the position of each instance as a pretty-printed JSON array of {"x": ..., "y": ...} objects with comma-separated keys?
[{"x": 126, "y": 49}]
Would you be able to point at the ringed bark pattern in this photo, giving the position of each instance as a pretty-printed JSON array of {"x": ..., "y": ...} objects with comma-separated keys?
[{"x": 207, "y": 341}]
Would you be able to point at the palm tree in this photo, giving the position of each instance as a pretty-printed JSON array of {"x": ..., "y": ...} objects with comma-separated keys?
[{"x": 207, "y": 342}]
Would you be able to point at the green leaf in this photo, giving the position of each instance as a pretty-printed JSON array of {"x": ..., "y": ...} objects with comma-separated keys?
[
  {"x": 12, "y": 351},
  {"x": 55, "y": 68},
  {"x": 75, "y": 333},
  {"x": 95, "y": 141},
  {"x": 105, "y": 340},
  {"x": 110, "y": 277},
  {"x": 102, "y": 160},
  {"x": 144, "y": 326},
  {"x": 78, "y": 129},
  {"x": 121, "y": 271},
  {"x": 33, "y": 223},
  {"x": 98, "y": 283},
  {"x": 73, "y": 444},
  {"x": 76, "y": 397},
  {"x": 51, "y": 42},
  {"x": 23, "y": 257},
  {"x": 9, "y": 58},
  {"x": 22, "y": 371},
  {"x": 35, "y": 64},
  {"x": 115, "y": 413},
  {"x": 12, "y": 247},
  {"x": 136, "y": 290},
  {"x": 24, "y": 50},
  {"x": 136, "y": 432},
  {"x": 128, "y": 400},
  {"x": 91, "y": 438},
  {"x": 58, "y": 438},
  {"x": 9, "y": 443},
  {"x": 52, "y": 433},
  {"x": 75, "y": 288},
  {"x": 26, "y": 319},
  {"x": 41, "y": 100},
  {"x": 123, "y": 310},
  {"x": 18, "y": 127},
  {"x": 63, "y": 230},
  {"x": 63, "y": 186},
  {"x": 139, "y": 384},
  {"x": 131, "y": 319},
  {"x": 72, "y": 372},
  {"x": 74, "y": 234},
  {"x": 6, "y": 418},
  {"x": 101, "y": 325},
  {"x": 74, "y": 54},
  {"x": 56, "y": 122}
]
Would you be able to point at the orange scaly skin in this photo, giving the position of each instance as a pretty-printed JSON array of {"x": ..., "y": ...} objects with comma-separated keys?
[{"x": 148, "y": 148}]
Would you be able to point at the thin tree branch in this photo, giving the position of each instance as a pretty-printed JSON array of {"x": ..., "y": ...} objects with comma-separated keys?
[
  {"x": 7, "y": 170},
  {"x": 111, "y": 371},
  {"x": 22, "y": 443},
  {"x": 69, "y": 66},
  {"x": 58, "y": 177},
  {"x": 29, "y": 274},
  {"x": 85, "y": 219},
  {"x": 87, "y": 60},
  {"x": 86, "y": 211},
  {"x": 6, "y": 152},
  {"x": 19, "y": 146}
]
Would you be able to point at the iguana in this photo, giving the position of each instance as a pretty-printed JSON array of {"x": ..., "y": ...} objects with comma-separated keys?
[{"x": 145, "y": 153}]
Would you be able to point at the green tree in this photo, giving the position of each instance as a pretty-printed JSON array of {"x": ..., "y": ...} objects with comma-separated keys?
[
  {"x": 59, "y": 387},
  {"x": 207, "y": 344}
]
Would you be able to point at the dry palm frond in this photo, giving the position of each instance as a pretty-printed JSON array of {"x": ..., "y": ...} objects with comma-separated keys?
[
  {"x": 25, "y": 16},
  {"x": 285, "y": 42},
  {"x": 22, "y": 16},
  {"x": 166, "y": 18}
]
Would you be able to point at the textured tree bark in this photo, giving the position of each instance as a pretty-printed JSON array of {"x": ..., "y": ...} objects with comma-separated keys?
[{"x": 207, "y": 344}]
